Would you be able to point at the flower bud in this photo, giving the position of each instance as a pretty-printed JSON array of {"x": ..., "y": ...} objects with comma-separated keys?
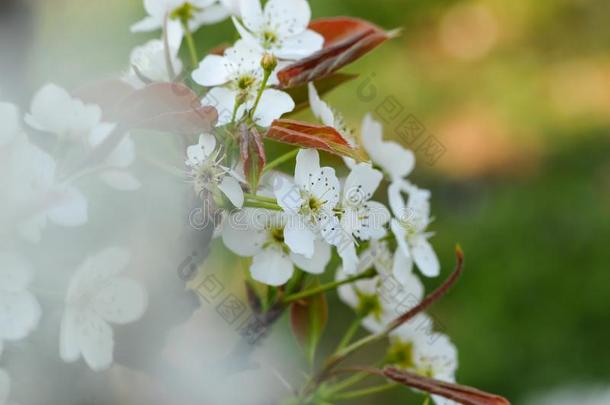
[{"x": 269, "y": 62}]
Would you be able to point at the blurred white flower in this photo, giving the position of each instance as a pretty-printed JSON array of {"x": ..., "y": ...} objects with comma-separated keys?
[
  {"x": 259, "y": 234},
  {"x": 309, "y": 202},
  {"x": 98, "y": 295},
  {"x": 204, "y": 12},
  {"x": 33, "y": 196},
  {"x": 280, "y": 29},
  {"x": 150, "y": 62},
  {"x": 113, "y": 170},
  {"x": 239, "y": 75},
  {"x": 19, "y": 309},
  {"x": 208, "y": 174},
  {"x": 409, "y": 226},
  {"x": 54, "y": 110}
]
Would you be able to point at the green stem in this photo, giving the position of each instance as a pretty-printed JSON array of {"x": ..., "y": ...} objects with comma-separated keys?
[
  {"x": 349, "y": 334},
  {"x": 348, "y": 382},
  {"x": 282, "y": 159},
  {"x": 329, "y": 286},
  {"x": 266, "y": 77},
  {"x": 260, "y": 198},
  {"x": 190, "y": 42},
  {"x": 366, "y": 391},
  {"x": 259, "y": 204}
]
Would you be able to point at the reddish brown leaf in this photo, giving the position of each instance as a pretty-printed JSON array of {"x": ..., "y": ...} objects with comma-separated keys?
[
  {"x": 315, "y": 136},
  {"x": 346, "y": 39},
  {"x": 106, "y": 94},
  {"x": 459, "y": 393},
  {"x": 252, "y": 155}
]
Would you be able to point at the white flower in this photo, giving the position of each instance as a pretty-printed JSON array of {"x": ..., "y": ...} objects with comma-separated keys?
[
  {"x": 205, "y": 12},
  {"x": 329, "y": 116},
  {"x": 113, "y": 170},
  {"x": 382, "y": 298},
  {"x": 32, "y": 194},
  {"x": 11, "y": 125},
  {"x": 151, "y": 64},
  {"x": 98, "y": 295},
  {"x": 281, "y": 29},
  {"x": 259, "y": 234},
  {"x": 409, "y": 226},
  {"x": 19, "y": 309},
  {"x": 54, "y": 110},
  {"x": 239, "y": 76},
  {"x": 204, "y": 163},
  {"x": 395, "y": 160},
  {"x": 310, "y": 201}
]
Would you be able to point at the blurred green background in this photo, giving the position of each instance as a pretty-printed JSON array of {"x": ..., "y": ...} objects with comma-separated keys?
[{"x": 518, "y": 94}]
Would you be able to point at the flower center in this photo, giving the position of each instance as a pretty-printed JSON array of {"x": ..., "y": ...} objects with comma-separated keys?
[
  {"x": 401, "y": 354},
  {"x": 245, "y": 82},
  {"x": 368, "y": 304},
  {"x": 269, "y": 38},
  {"x": 277, "y": 235},
  {"x": 205, "y": 175}
]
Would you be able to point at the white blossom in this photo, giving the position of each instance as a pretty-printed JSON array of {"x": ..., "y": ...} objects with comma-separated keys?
[
  {"x": 238, "y": 77},
  {"x": 208, "y": 174},
  {"x": 151, "y": 64},
  {"x": 281, "y": 28},
  {"x": 97, "y": 296},
  {"x": 259, "y": 234}
]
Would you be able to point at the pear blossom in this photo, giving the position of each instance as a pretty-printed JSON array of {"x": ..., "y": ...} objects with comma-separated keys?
[
  {"x": 208, "y": 174},
  {"x": 239, "y": 76},
  {"x": 148, "y": 62},
  {"x": 19, "y": 309},
  {"x": 379, "y": 299},
  {"x": 98, "y": 296},
  {"x": 280, "y": 29},
  {"x": 396, "y": 161},
  {"x": 203, "y": 12},
  {"x": 330, "y": 117},
  {"x": 55, "y": 111},
  {"x": 34, "y": 196},
  {"x": 410, "y": 224},
  {"x": 259, "y": 234},
  {"x": 309, "y": 201},
  {"x": 113, "y": 170}
]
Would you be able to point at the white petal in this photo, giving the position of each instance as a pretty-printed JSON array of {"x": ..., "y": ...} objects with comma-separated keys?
[
  {"x": 70, "y": 210},
  {"x": 397, "y": 203},
  {"x": 247, "y": 35},
  {"x": 120, "y": 180},
  {"x": 146, "y": 24},
  {"x": 360, "y": 184},
  {"x": 231, "y": 188},
  {"x": 273, "y": 104},
  {"x": 271, "y": 267},
  {"x": 251, "y": 14},
  {"x": 308, "y": 161},
  {"x": 317, "y": 263},
  {"x": 400, "y": 234},
  {"x": 299, "y": 238},
  {"x": 397, "y": 161},
  {"x": 287, "y": 194},
  {"x": 349, "y": 258},
  {"x": 300, "y": 46},
  {"x": 121, "y": 301},
  {"x": 289, "y": 17},
  {"x": 213, "y": 70},
  {"x": 373, "y": 220},
  {"x": 208, "y": 144},
  {"x": 123, "y": 154},
  {"x": 324, "y": 185},
  {"x": 19, "y": 314},
  {"x": 402, "y": 268},
  {"x": 175, "y": 33},
  {"x": 437, "y": 354},
  {"x": 96, "y": 341},
  {"x": 210, "y": 15},
  {"x": 346, "y": 292},
  {"x": 241, "y": 237},
  {"x": 319, "y": 108},
  {"x": 96, "y": 270},
  {"x": 425, "y": 257},
  {"x": 69, "y": 350},
  {"x": 245, "y": 57},
  {"x": 223, "y": 100}
]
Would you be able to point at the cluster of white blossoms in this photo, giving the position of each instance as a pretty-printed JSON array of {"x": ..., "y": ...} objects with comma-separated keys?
[{"x": 286, "y": 224}]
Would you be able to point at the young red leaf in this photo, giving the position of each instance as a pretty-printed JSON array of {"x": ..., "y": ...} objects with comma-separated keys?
[
  {"x": 314, "y": 136},
  {"x": 456, "y": 392},
  {"x": 308, "y": 318},
  {"x": 252, "y": 155},
  {"x": 106, "y": 94},
  {"x": 346, "y": 40}
]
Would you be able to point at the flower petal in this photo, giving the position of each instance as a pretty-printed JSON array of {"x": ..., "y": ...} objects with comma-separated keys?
[
  {"x": 299, "y": 238},
  {"x": 317, "y": 263},
  {"x": 308, "y": 161},
  {"x": 271, "y": 267},
  {"x": 213, "y": 70},
  {"x": 121, "y": 301},
  {"x": 69, "y": 351},
  {"x": 240, "y": 236},
  {"x": 287, "y": 194},
  {"x": 223, "y": 100},
  {"x": 231, "y": 188},
  {"x": 300, "y": 46},
  {"x": 252, "y": 14},
  {"x": 96, "y": 341},
  {"x": 402, "y": 268},
  {"x": 288, "y": 17},
  {"x": 319, "y": 108},
  {"x": 424, "y": 256},
  {"x": 324, "y": 185},
  {"x": 360, "y": 184},
  {"x": 273, "y": 104},
  {"x": 70, "y": 210},
  {"x": 120, "y": 180},
  {"x": 19, "y": 314}
]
